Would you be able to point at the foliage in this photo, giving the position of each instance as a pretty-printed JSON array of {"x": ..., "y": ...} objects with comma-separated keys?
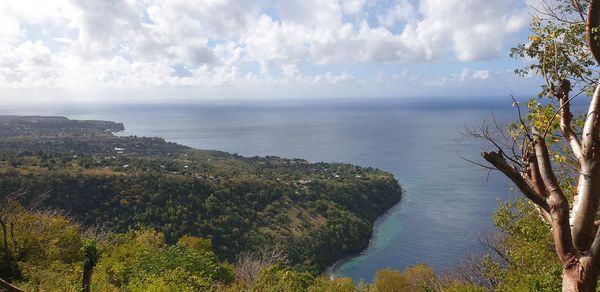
[
  {"x": 52, "y": 257},
  {"x": 242, "y": 208},
  {"x": 417, "y": 278},
  {"x": 90, "y": 252},
  {"x": 558, "y": 49},
  {"x": 48, "y": 250},
  {"x": 521, "y": 261},
  {"x": 142, "y": 260},
  {"x": 45, "y": 238},
  {"x": 178, "y": 267}
]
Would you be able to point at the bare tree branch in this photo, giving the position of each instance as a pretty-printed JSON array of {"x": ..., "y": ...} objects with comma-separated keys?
[
  {"x": 578, "y": 9},
  {"x": 476, "y": 163},
  {"x": 498, "y": 161},
  {"x": 9, "y": 287}
]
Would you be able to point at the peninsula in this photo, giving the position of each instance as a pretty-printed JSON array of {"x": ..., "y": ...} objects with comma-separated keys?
[{"x": 316, "y": 213}]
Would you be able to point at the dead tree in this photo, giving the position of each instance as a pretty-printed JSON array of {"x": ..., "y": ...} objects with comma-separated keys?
[
  {"x": 249, "y": 265},
  {"x": 576, "y": 237}
]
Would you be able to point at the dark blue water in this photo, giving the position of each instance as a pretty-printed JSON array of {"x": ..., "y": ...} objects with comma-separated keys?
[{"x": 448, "y": 202}]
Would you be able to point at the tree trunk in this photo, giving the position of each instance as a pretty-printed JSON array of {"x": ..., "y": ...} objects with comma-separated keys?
[
  {"x": 580, "y": 276},
  {"x": 12, "y": 235},
  {"x": 7, "y": 253},
  {"x": 86, "y": 282}
]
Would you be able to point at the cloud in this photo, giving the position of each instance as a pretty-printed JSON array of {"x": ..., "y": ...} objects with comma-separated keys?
[
  {"x": 474, "y": 78},
  {"x": 353, "y": 6},
  {"x": 220, "y": 43},
  {"x": 474, "y": 29},
  {"x": 402, "y": 11},
  {"x": 104, "y": 26},
  {"x": 481, "y": 74},
  {"x": 312, "y": 14},
  {"x": 27, "y": 63}
]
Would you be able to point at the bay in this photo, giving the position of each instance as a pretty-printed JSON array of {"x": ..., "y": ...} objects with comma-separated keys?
[{"x": 447, "y": 203}]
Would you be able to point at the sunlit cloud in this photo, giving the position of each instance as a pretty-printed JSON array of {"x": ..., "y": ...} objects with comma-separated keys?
[{"x": 232, "y": 43}]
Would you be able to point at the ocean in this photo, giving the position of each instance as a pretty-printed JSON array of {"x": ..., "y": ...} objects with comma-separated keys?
[{"x": 447, "y": 204}]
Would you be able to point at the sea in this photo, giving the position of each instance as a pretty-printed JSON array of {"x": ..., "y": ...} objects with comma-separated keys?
[{"x": 447, "y": 203}]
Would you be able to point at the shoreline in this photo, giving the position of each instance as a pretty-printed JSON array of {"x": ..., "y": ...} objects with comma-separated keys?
[
  {"x": 330, "y": 271},
  {"x": 104, "y": 138}
]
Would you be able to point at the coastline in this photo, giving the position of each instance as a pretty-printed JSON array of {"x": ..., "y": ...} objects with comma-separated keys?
[
  {"x": 418, "y": 231},
  {"x": 330, "y": 271},
  {"x": 357, "y": 196}
]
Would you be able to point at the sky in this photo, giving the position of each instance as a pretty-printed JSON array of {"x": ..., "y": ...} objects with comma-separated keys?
[{"x": 168, "y": 50}]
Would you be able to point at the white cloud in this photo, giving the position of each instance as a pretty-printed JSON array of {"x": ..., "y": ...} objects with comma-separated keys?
[
  {"x": 474, "y": 29},
  {"x": 473, "y": 78},
  {"x": 333, "y": 79},
  {"x": 218, "y": 43},
  {"x": 481, "y": 74},
  {"x": 27, "y": 63},
  {"x": 403, "y": 11},
  {"x": 104, "y": 26},
  {"x": 290, "y": 72},
  {"x": 353, "y": 6},
  {"x": 322, "y": 14}
]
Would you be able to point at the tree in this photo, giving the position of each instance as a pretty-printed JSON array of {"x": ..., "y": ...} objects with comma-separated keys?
[
  {"x": 416, "y": 278},
  {"x": 10, "y": 210},
  {"x": 90, "y": 259},
  {"x": 565, "y": 63}
]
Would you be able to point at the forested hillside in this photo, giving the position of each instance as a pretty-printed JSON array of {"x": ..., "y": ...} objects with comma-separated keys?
[
  {"x": 49, "y": 252},
  {"x": 315, "y": 212}
]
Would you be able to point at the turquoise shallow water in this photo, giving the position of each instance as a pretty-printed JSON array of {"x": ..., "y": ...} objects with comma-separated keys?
[{"x": 447, "y": 202}]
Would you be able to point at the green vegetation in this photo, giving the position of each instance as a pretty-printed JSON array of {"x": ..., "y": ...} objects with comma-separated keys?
[
  {"x": 316, "y": 212},
  {"x": 164, "y": 217},
  {"x": 157, "y": 216},
  {"x": 520, "y": 260},
  {"x": 52, "y": 253}
]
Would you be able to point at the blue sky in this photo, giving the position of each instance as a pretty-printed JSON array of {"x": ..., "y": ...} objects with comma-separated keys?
[{"x": 95, "y": 50}]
